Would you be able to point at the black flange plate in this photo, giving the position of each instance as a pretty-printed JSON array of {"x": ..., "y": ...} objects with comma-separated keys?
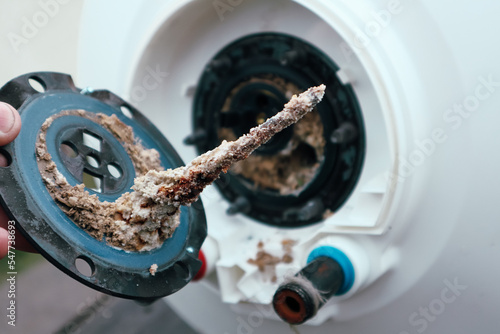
[{"x": 26, "y": 200}]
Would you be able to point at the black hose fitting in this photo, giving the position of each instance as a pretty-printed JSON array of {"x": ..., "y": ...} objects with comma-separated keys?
[{"x": 299, "y": 298}]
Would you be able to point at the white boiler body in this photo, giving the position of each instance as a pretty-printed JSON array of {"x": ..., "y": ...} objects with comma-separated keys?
[{"x": 422, "y": 226}]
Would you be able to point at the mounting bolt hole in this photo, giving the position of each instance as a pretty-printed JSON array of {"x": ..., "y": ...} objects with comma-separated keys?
[
  {"x": 37, "y": 84},
  {"x": 68, "y": 150},
  {"x": 126, "y": 111},
  {"x": 85, "y": 266},
  {"x": 5, "y": 158},
  {"x": 115, "y": 171},
  {"x": 92, "y": 161},
  {"x": 181, "y": 270},
  {"x": 91, "y": 140},
  {"x": 92, "y": 182}
]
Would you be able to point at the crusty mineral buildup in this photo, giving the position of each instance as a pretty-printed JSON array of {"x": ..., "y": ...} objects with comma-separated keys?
[
  {"x": 104, "y": 219},
  {"x": 264, "y": 260},
  {"x": 142, "y": 219},
  {"x": 153, "y": 269}
]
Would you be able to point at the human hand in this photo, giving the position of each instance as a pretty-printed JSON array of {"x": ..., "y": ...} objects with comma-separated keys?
[{"x": 10, "y": 125}]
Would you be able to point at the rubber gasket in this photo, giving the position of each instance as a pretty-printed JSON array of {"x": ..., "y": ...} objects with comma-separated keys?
[{"x": 26, "y": 200}]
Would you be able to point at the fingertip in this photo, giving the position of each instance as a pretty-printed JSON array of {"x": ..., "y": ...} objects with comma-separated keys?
[
  {"x": 4, "y": 240},
  {"x": 10, "y": 123}
]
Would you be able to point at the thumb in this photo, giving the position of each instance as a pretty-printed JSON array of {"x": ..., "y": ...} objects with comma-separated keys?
[
  {"x": 10, "y": 123},
  {"x": 4, "y": 240}
]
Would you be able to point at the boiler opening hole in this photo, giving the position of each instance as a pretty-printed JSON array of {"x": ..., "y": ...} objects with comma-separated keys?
[{"x": 300, "y": 165}]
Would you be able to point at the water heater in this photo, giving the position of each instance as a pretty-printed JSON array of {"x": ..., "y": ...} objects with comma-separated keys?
[{"x": 393, "y": 178}]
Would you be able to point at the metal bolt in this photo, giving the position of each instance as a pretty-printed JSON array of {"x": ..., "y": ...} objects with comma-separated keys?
[
  {"x": 292, "y": 57},
  {"x": 221, "y": 64},
  {"x": 313, "y": 208},
  {"x": 240, "y": 205},
  {"x": 196, "y": 137},
  {"x": 344, "y": 134}
]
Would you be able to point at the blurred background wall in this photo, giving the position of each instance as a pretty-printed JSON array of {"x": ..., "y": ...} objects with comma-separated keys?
[{"x": 38, "y": 35}]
